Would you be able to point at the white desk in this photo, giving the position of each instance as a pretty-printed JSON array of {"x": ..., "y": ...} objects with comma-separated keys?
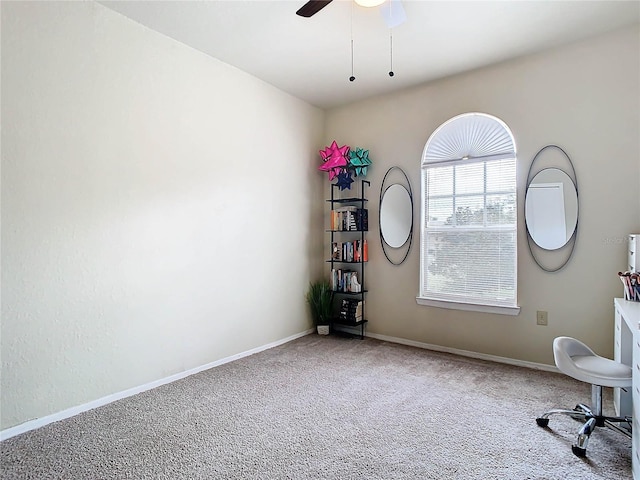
[{"x": 627, "y": 350}]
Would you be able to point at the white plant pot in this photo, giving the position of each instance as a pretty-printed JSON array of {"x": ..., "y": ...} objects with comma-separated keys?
[{"x": 323, "y": 329}]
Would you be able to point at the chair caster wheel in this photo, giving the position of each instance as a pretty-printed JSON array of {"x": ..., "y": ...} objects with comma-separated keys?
[
  {"x": 542, "y": 422},
  {"x": 579, "y": 452}
]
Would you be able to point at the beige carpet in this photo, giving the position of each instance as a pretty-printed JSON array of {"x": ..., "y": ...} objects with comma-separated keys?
[{"x": 330, "y": 408}]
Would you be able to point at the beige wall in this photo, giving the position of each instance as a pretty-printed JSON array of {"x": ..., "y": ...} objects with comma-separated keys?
[
  {"x": 159, "y": 208},
  {"x": 584, "y": 98}
]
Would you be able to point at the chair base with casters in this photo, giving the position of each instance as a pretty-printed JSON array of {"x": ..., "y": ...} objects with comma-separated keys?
[{"x": 575, "y": 359}]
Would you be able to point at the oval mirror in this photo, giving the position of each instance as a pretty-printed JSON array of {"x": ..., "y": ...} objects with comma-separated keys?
[
  {"x": 395, "y": 215},
  {"x": 551, "y": 208}
]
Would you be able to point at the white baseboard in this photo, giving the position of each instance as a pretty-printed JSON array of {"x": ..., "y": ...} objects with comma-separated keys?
[
  {"x": 466, "y": 353},
  {"x": 70, "y": 412}
]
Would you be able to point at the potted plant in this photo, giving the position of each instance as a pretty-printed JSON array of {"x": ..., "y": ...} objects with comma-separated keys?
[{"x": 319, "y": 297}]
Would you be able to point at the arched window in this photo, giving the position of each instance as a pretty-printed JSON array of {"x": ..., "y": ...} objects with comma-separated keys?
[{"x": 468, "y": 250}]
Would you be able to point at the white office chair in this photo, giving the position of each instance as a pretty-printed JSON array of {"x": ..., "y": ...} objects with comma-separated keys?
[{"x": 575, "y": 359}]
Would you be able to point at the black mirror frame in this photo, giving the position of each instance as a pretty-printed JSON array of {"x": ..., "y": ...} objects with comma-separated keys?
[
  {"x": 409, "y": 241},
  {"x": 571, "y": 243}
]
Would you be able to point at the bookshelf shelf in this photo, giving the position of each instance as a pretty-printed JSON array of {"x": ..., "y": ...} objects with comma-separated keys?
[
  {"x": 343, "y": 261},
  {"x": 348, "y": 225},
  {"x": 348, "y": 200},
  {"x": 358, "y": 323}
]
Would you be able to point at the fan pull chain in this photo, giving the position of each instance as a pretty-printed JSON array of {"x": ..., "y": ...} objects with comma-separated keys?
[
  {"x": 352, "y": 77},
  {"x": 391, "y": 74}
]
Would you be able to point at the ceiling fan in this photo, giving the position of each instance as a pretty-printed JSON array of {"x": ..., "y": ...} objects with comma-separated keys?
[
  {"x": 391, "y": 10},
  {"x": 312, "y": 7}
]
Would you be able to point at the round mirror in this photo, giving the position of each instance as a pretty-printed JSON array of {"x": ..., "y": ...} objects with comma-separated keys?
[
  {"x": 395, "y": 215},
  {"x": 551, "y": 208}
]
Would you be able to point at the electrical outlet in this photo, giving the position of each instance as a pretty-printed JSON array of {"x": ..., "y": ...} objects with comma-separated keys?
[{"x": 542, "y": 317}]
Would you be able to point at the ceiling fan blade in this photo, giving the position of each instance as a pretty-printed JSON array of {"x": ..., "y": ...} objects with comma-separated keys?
[
  {"x": 312, "y": 7},
  {"x": 393, "y": 13}
]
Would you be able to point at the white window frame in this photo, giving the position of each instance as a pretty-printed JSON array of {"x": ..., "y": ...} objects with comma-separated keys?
[{"x": 451, "y": 144}]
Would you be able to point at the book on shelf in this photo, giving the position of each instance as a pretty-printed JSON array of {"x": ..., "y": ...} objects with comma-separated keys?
[
  {"x": 351, "y": 251},
  {"x": 362, "y": 219},
  {"x": 349, "y": 218},
  {"x": 345, "y": 281},
  {"x": 351, "y": 310},
  {"x": 336, "y": 251}
]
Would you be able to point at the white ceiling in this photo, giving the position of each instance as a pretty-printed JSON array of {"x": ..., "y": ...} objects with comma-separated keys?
[{"x": 311, "y": 57}]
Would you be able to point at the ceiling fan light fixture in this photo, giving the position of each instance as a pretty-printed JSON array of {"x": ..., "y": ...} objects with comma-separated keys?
[{"x": 369, "y": 3}]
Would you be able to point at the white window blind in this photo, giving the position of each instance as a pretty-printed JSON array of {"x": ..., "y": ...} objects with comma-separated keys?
[{"x": 469, "y": 213}]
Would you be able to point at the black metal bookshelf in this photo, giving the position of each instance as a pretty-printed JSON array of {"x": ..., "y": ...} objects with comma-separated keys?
[{"x": 344, "y": 234}]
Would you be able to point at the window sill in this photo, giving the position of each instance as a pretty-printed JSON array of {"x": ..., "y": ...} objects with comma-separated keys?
[{"x": 468, "y": 306}]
